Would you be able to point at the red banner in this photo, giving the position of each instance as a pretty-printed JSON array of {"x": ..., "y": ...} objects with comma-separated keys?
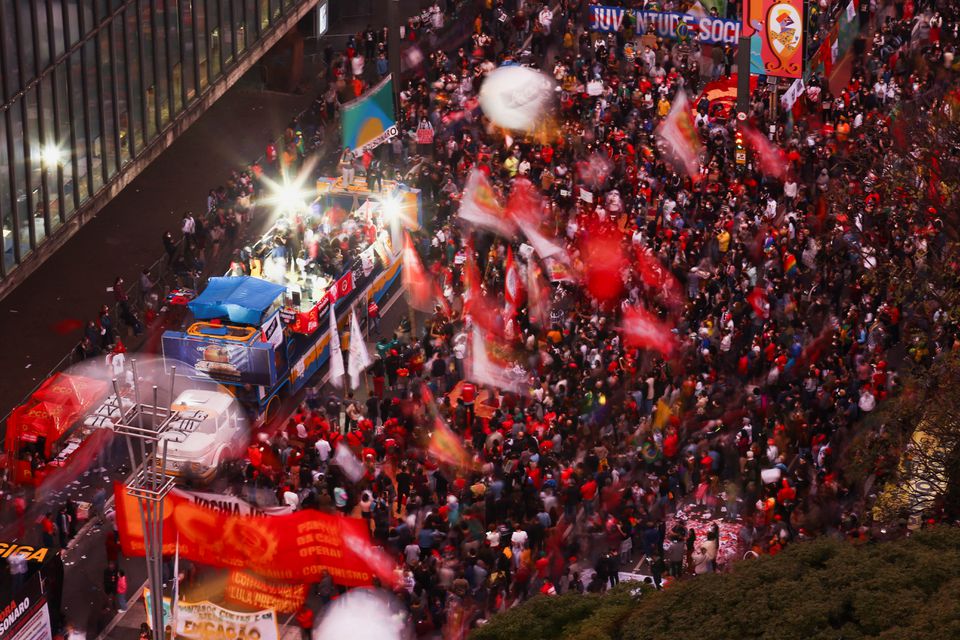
[
  {"x": 343, "y": 287},
  {"x": 292, "y": 548},
  {"x": 244, "y": 588}
]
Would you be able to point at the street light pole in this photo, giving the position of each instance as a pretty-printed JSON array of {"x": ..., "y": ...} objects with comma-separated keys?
[{"x": 150, "y": 426}]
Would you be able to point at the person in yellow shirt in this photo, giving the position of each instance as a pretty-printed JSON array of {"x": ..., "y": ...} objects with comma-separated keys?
[
  {"x": 723, "y": 240},
  {"x": 511, "y": 165},
  {"x": 663, "y": 107}
]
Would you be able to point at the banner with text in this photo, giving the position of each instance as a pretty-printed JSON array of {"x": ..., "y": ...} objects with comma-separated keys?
[
  {"x": 252, "y": 591},
  {"x": 206, "y": 621},
  {"x": 675, "y": 26},
  {"x": 294, "y": 548}
]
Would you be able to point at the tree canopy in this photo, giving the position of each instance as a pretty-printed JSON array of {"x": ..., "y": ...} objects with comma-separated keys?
[{"x": 823, "y": 589}]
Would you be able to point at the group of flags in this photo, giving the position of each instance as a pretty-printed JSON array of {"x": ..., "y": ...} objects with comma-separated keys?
[
  {"x": 358, "y": 359},
  {"x": 681, "y": 143}
]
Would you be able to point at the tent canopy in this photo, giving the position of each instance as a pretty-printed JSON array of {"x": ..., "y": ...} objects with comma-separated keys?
[{"x": 241, "y": 299}]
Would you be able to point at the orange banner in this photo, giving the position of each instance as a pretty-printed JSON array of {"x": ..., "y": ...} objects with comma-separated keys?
[
  {"x": 244, "y": 588},
  {"x": 291, "y": 548},
  {"x": 776, "y": 31}
]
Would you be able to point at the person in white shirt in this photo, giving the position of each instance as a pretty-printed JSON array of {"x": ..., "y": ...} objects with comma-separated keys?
[
  {"x": 546, "y": 18},
  {"x": 323, "y": 450},
  {"x": 291, "y": 499}
]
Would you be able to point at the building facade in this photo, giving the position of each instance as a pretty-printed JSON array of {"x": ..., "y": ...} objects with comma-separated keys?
[{"x": 93, "y": 90}]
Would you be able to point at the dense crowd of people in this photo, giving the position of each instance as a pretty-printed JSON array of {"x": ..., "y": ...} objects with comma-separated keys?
[{"x": 775, "y": 282}]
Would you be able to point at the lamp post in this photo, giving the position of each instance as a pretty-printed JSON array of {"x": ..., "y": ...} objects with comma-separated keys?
[{"x": 149, "y": 427}]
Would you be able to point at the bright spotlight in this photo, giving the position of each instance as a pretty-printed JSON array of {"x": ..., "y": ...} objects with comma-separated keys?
[
  {"x": 391, "y": 209},
  {"x": 288, "y": 198},
  {"x": 51, "y": 155}
]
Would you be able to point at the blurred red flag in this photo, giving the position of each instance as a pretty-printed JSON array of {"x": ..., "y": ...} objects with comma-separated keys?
[
  {"x": 479, "y": 206},
  {"x": 538, "y": 295},
  {"x": 758, "y": 300},
  {"x": 421, "y": 288},
  {"x": 772, "y": 159},
  {"x": 656, "y": 276},
  {"x": 525, "y": 208},
  {"x": 643, "y": 329},
  {"x": 512, "y": 287},
  {"x": 601, "y": 252}
]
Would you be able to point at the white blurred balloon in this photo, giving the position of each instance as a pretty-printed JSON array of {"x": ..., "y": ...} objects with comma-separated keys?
[
  {"x": 362, "y": 614},
  {"x": 516, "y": 97}
]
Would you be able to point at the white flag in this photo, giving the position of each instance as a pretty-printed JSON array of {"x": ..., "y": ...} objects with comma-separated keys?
[
  {"x": 359, "y": 357},
  {"x": 336, "y": 353},
  {"x": 348, "y": 462}
]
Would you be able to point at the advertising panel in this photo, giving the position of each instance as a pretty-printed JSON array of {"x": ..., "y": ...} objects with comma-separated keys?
[
  {"x": 206, "y": 621},
  {"x": 26, "y": 615},
  {"x": 776, "y": 32},
  {"x": 293, "y": 548},
  {"x": 221, "y": 361},
  {"x": 369, "y": 121}
]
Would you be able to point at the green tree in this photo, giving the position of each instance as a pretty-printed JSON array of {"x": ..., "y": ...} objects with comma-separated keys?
[{"x": 824, "y": 589}]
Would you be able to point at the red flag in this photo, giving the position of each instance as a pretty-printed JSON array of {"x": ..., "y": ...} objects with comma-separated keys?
[
  {"x": 446, "y": 447},
  {"x": 471, "y": 280},
  {"x": 512, "y": 287},
  {"x": 758, "y": 300},
  {"x": 538, "y": 295},
  {"x": 656, "y": 276},
  {"x": 525, "y": 208},
  {"x": 421, "y": 288},
  {"x": 772, "y": 159},
  {"x": 601, "y": 252},
  {"x": 479, "y": 206},
  {"x": 643, "y": 329},
  {"x": 679, "y": 136}
]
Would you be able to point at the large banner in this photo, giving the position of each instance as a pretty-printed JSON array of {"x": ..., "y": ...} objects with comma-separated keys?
[
  {"x": 674, "y": 26},
  {"x": 293, "y": 548},
  {"x": 206, "y": 621},
  {"x": 369, "y": 120},
  {"x": 775, "y": 29}
]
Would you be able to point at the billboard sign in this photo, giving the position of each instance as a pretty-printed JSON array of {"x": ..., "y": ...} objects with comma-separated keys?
[
  {"x": 221, "y": 361},
  {"x": 669, "y": 25},
  {"x": 776, "y": 32}
]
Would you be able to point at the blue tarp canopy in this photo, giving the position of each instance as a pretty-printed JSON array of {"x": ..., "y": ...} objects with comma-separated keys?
[{"x": 240, "y": 299}]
